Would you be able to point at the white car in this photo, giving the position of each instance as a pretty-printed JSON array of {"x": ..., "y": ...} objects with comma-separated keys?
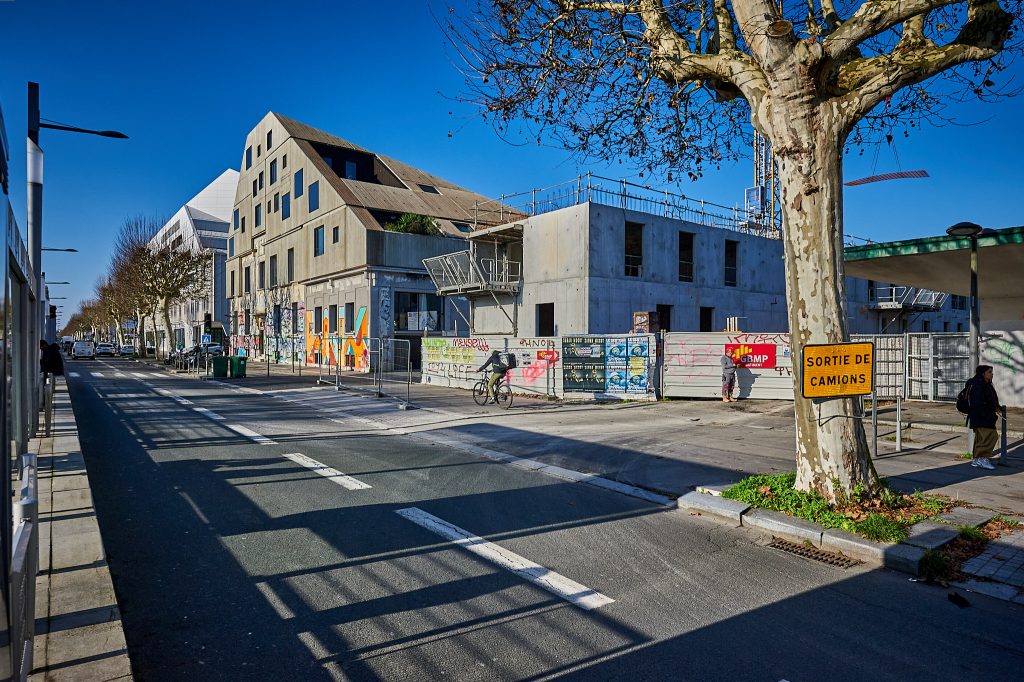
[
  {"x": 127, "y": 351},
  {"x": 83, "y": 349},
  {"x": 106, "y": 349}
]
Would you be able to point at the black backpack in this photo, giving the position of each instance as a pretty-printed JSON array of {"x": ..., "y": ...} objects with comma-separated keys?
[
  {"x": 509, "y": 360},
  {"x": 963, "y": 398}
]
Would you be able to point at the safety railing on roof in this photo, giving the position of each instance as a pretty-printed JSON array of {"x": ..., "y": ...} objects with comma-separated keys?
[
  {"x": 620, "y": 194},
  {"x": 891, "y": 298}
]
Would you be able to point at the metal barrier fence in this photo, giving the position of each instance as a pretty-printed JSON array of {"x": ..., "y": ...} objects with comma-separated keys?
[
  {"x": 395, "y": 368},
  {"x": 25, "y": 567},
  {"x": 890, "y": 363}
]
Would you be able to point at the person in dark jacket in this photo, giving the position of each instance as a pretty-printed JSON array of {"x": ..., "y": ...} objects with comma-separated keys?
[
  {"x": 498, "y": 370},
  {"x": 982, "y": 416},
  {"x": 50, "y": 361}
]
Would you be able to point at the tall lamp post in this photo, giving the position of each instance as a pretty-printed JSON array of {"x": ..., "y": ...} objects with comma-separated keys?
[
  {"x": 34, "y": 204},
  {"x": 971, "y": 231}
]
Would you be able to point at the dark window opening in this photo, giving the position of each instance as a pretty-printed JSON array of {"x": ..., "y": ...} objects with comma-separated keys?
[
  {"x": 296, "y": 322},
  {"x": 685, "y": 256},
  {"x": 318, "y": 320},
  {"x": 277, "y": 319},
  {"x": 332, "y": 319},
  {"x": 314, "y": 196},
  {"x": 299, "y": 187},
  {"x": 334, "y": 235},
  {"x": 261, "y": 276},
  {"x": 429, "y": 189},
  {"x": 277, "y": 202},
  {"x": 286, "y": 206},
  {"x": 291, "y": 264},
  {"x": 463, "y": 227},
  {"x": 273, "y": 271},
  {"x": 545, "y": 319},
  {"x": 350, "y": 317},
  {"x": 731, "y": 261},
  {"x": 270, "y": 139},
  {"x": 634, "y": 248},
  {"x": 417, "y": 312},
  {"x": 664, "y": 317},
  {"x": 871, "y": 290},
  {"x": 273, "y": 171},
  {"x": 248, "y": 158},
  {"x": 246, "y": 280},
  {"x": 707, "y": 319},
  {"x": 318, "y": 241}
]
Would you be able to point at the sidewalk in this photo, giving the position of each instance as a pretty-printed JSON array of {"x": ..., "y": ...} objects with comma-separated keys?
[{"x": 78, "y": 624}]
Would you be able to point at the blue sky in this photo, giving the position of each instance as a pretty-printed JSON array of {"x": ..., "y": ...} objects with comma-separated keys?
[{"x": 187, "y": 80}]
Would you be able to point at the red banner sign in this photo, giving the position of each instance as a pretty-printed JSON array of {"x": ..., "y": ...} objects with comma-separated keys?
[
  {"x": 549, "y": 355},
  {"x": 752, "y": 355}
]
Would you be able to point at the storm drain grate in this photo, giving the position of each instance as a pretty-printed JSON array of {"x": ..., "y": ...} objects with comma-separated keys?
[{"x": 813, "y": 553}]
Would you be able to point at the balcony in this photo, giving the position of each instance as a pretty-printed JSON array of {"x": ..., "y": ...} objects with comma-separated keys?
[
  {"x": 907, "y": 298},
  {"x": 463, "y": 273}
]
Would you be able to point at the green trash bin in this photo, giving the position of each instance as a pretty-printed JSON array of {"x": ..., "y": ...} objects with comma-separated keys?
[
  {"x": 220, "y": 366},
  {"x": 238, "y": 366}
]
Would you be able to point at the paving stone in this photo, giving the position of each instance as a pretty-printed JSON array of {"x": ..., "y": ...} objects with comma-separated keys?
[
  {"x": 714, "y": 506},
  {"x": 930, "y": 535},
  {"x": 996, "y": 590},
  {"x": 964, "y": 516},
  {"x": 783, "y": 526}
]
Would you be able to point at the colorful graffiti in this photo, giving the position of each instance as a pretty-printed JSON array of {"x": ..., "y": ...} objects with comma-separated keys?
[
  {"x": 355, "y": 349},
  {"x": 352, "y": 351}
]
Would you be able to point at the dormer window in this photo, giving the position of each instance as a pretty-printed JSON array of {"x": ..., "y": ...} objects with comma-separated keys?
[{"x": 429, "y": 189}]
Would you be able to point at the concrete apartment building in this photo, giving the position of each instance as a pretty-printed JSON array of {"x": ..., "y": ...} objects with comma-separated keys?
[
  {"x": 309, "y": 256},
  {"x": 200, "y": 224},
  {"x": 586, "y": 260}
]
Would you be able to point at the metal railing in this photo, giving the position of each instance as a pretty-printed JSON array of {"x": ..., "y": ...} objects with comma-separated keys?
[
  {"x": 395, "y": 368},
  {"x": 621, "y": 194},
  {"x": 25, "y": 567},
  {"x": 897, "y": 297}
]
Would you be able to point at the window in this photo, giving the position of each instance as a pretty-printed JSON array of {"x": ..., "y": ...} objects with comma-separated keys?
[
  {"x": 277, "y": 318},
  {"x": 318, "y": 241},
  {"x": 296, "y": 323},
  {"x": 254, "y": 186},
  {"x": 545, "y": 319},
  {"x": 664, "y": 317},
  {"x": 685, "y": 256},
  {"x": 314, "y": 196},
  {"x": 731, "y": 258},
  {"x": 334, "y": 234},
  {"x": 959, "y": 326},
  {"x": 350, "y": 317},
  {"x": 273, "y": 271},
  {"x": 277, "y": 202},
  {"x": 269, "y": 204},
  {"x": 232, "y": 289},
  {"x": 259, "y": 151},
  {"x": 634, "y": 249},
  {"x": 925, "y": 325},
  {"x": 429, "y": 189},
  {"x": 273, "y": 171},
  {"x": 270, "y": 139},
  {"x": 298, "y": 183},
  {"x": 871, "y": 290},
  {"x": 248, "y": 157},
  {"x": 418, "y": 312},
  {"x": 291, "y": 264},
  {"x": 246, "y": 280},
  {"x": 284, "y": 161},
  {"x": 463, "y": 227},
  {"x": 245, "y": 321},
  {"x": 707, "y": 319},
  {"x": 243, "y": 223},
  {"x": 261, "y": 275},
  {"x": 259, "y": 215},
  {"x": 286, "y": 206},
  {"x": 351, "y": 172},
  {"x": 235, "y": 219},
  {"x": 958, "y": 302},
  {"x": 332, "y": 319},
  {"x": 318, "y": 319},
  {"x": 231, "y": 247},
  {"x": 261, "y": 179}
]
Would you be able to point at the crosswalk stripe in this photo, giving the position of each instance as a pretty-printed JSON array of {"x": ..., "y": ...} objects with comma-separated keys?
[
  {"x": 344, "y": 480},
  {"x": 140, "y": 375},
  {"x": 74, "y": 375},
  {"x": 570, "y": 590},
  {"x": 97, "y": 374},
  {"x": 249, "y": 433}
]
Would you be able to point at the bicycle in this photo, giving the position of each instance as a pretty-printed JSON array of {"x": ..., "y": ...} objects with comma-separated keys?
[{"x": 502, "y": 392}]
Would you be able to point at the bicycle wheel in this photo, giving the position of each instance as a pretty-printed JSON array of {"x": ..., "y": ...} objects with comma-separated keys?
[
  {"x": 504, "y": 396},
  {"x": 480, "y": 393}
]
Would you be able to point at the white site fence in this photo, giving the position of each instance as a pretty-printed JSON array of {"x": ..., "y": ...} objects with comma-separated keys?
[
  {"x": 25, "y": 567},
  {"x": 383, "y": 366}
]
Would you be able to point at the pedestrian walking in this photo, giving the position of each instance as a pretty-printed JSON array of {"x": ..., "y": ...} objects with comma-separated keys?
[
  {"x": 983, "y": 411},
  {"x": 50, "y": 361},
  {"x": 728, "y": 378}
]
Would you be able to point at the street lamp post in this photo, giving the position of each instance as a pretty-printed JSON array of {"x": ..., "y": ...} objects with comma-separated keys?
[{"x": 971, "y": 231}]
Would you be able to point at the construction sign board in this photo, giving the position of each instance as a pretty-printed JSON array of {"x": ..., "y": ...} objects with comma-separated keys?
[{"x": 838, "y": 369}]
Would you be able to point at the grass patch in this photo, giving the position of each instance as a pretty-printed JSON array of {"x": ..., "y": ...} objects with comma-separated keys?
[
  {"x": 972, "y": 533},
  {"x": 884, "y": 516},
  {"x": 1012, "y": 523},
  {"x": 935, "y": 566},
  {"x": 965, "y": 455}
]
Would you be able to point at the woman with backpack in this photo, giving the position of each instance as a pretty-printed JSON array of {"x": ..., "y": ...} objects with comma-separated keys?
[{"x": 983, "y": 410}]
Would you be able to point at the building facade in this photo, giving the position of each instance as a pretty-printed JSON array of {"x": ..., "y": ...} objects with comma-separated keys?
[
  {"x": 598, "y": 257},
  {"x": 316, "y": 266},
  {"x": 201, "y": 224}
]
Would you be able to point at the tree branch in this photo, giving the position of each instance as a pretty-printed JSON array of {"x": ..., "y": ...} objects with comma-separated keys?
[
  {"x": 867, "y": 82},
  {"x": 874, "y": 17}
]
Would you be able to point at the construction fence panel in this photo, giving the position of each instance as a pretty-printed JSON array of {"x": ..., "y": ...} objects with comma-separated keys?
[
  {"x": 394, "y": 371},
  {"x": 951, "y": 365},
  {"x": 692, "y": 365},
  {"x": 890, "y": 363}
]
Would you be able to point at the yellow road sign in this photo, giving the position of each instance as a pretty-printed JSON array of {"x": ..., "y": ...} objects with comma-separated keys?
[{"x": 838, "y": 369}]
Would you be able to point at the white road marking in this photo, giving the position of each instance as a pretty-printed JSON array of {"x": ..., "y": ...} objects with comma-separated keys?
[
  {"x": 97, "y": 374},
  {"x": 249, "y": 433},
  {"x": 327, "y": 472},
  {"x": 74, "y": 375},
  {"x": 140, "y": 375},
  {"x": 570, "y": 590},
  {"x": 209, "y": 413}
]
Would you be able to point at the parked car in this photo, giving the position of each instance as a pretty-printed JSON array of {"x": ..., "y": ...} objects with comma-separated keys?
[
  {"x": 126, "y": 351},
  {"x": 213, "y": 349},
  {"x": 83, "y": 349},
  {"x": 105, "y": 349}
]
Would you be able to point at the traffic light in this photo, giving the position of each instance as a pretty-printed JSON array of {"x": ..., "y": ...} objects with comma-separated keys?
[{"x": 207, "y": 323}]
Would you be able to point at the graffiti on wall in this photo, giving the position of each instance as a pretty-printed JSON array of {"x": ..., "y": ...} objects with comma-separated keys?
[{"x": 458, "y": 359}]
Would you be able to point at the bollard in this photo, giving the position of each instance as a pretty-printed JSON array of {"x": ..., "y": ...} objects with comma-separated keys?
[
  {"x": 899, "y": 424},
  {"x": 1002, "y": 441}
]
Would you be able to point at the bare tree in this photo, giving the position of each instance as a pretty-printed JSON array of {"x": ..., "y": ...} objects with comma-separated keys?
[
  {"x": 679, "y": 84},
  {"x": 132, "y": 270}
]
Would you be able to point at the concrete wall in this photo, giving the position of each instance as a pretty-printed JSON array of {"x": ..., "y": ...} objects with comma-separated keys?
[
  {"x": 1004, "y": 313},
  {"x": 1004, "y": 350}
]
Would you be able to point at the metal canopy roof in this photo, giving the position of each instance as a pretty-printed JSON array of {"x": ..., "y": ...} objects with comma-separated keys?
[
  {"x": 509, "y": 232},
  {"x": 943, "y": 263}
]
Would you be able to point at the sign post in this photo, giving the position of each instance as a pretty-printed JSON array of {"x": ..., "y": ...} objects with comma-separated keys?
[{"x": 841, "y": 370}]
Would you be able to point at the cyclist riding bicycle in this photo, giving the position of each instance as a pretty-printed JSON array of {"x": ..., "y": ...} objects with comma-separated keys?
[{"x": 498, "y": 370}]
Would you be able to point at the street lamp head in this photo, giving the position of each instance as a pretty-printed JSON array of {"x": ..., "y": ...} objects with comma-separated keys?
[
  {"x": 46, "y": 248},
  {"x": 964, "y": 230},
  {"x": 112, "y": 133}
]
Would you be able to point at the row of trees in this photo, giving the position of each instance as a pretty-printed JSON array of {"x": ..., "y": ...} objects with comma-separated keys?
[{"x": 142, "y": 282}]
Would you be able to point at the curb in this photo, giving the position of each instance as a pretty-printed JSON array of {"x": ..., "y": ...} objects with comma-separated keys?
[{"x": 904, "y": 556}]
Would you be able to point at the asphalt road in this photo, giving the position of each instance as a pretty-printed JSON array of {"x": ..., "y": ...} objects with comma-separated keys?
[{"x": 251, "y": 538}]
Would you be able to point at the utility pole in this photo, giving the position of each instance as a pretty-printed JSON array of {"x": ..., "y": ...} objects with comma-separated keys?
[{"x": 34, "y": 228}]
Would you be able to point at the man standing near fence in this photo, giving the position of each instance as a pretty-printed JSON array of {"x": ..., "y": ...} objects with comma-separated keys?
[{"x": 728, "y": 378}]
